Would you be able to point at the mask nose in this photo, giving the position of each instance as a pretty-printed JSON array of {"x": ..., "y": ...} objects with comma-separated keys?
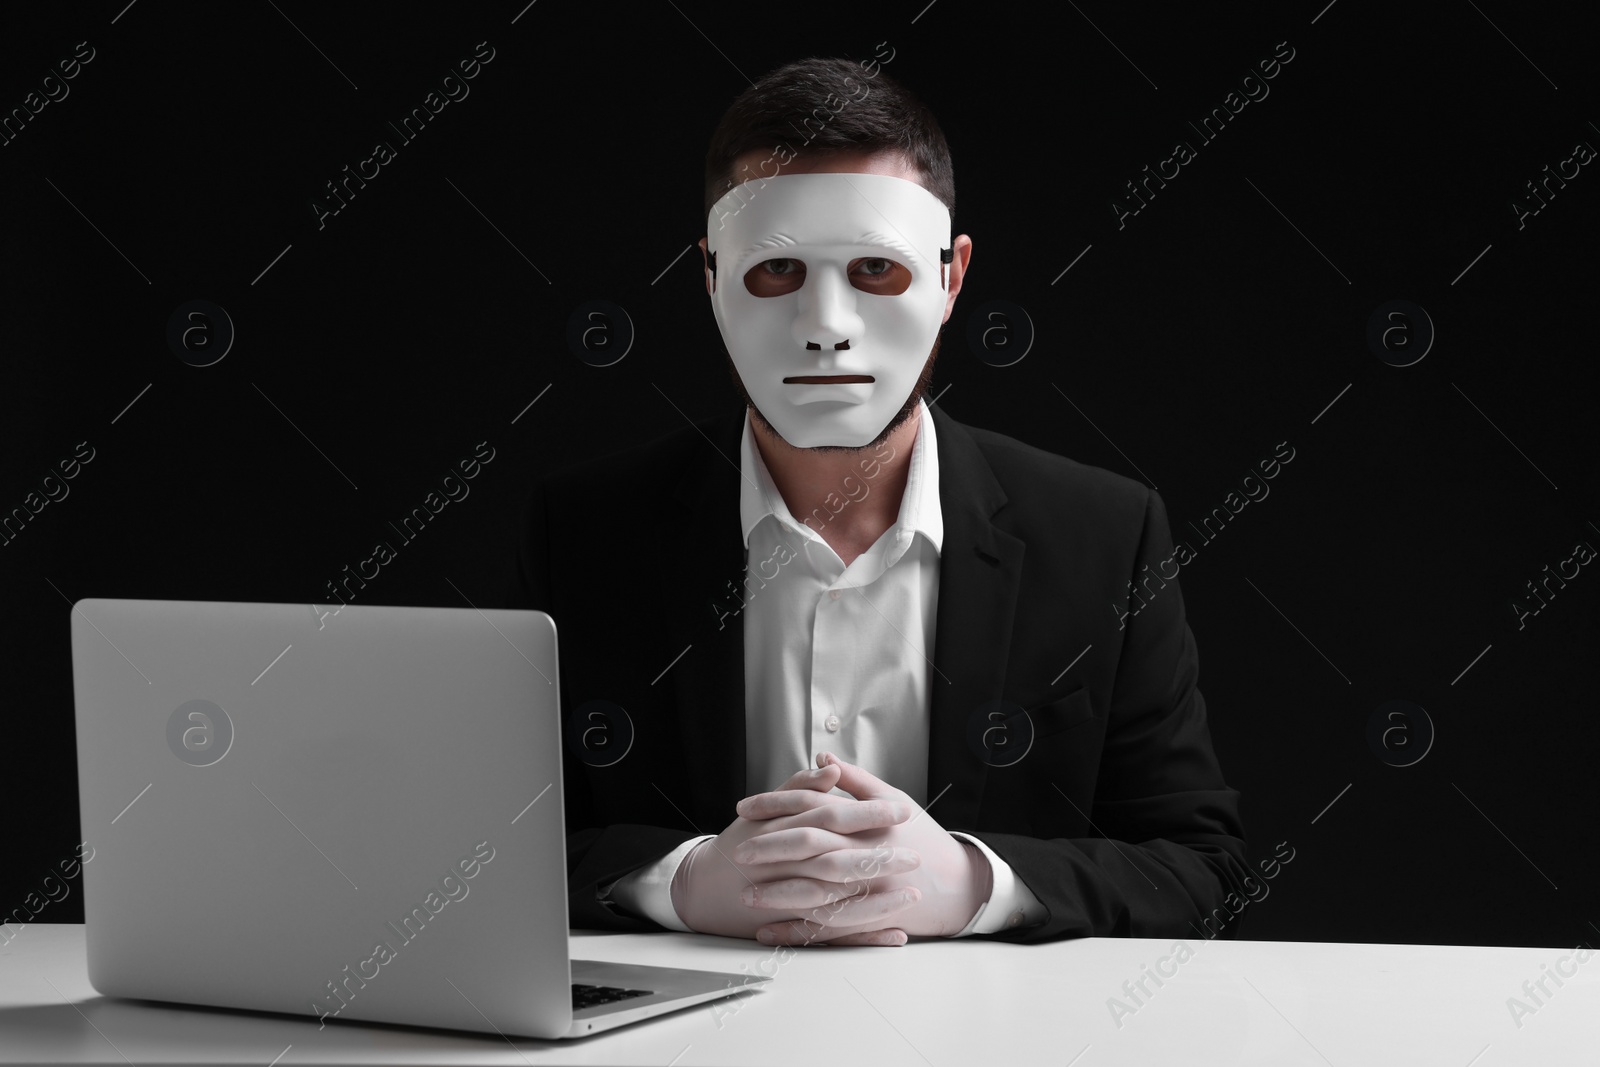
[{"x": 827, "y": 318}]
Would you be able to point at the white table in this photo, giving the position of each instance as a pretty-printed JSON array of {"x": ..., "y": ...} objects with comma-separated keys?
[{"x": 936, "y": 1002}]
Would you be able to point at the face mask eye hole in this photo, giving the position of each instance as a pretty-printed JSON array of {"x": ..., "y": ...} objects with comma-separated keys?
[
  {"x": 775, "y": 277},
  {"x": 879, "y": 276}
]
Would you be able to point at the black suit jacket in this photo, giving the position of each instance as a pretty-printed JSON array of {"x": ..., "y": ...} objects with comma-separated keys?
[{"x": 1117, "y": 818}]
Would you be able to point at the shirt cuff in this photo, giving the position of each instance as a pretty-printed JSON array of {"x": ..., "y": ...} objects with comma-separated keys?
[
  {"x": 1011, "y": 904},
  {"x": 648, "y": 890}
]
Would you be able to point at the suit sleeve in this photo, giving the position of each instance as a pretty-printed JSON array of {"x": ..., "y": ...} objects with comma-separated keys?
[
  {"x": 1167, "y": 849},
  {"x": 597, "y": 856}
]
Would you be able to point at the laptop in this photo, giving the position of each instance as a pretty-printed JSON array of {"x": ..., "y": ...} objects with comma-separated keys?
[{"x": 346, "y": 815}]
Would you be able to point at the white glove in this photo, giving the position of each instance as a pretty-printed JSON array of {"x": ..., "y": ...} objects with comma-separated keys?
[
  {"x": 708, "y": 886},
  {"x": 796, "y": 856}
]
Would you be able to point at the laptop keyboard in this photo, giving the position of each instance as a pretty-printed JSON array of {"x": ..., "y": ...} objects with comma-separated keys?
[{"x": 589, "y": 996}]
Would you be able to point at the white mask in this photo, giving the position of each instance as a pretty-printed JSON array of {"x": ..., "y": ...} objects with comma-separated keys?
[{"x": 825, "y": 222}]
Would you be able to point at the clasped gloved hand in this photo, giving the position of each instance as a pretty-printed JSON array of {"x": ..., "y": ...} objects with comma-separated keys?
[
  {"x": 802, "y": 866},
  {"x": 709, "y": 889}
]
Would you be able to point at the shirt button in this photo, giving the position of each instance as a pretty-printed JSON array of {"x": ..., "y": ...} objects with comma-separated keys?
[
  {"x": 831, "y": 723},
  {"x": 833, "y": 594},
  {"x": 1015, "y": 920}
]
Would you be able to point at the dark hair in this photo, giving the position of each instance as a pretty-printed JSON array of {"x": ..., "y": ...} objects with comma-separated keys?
[{"x": 823, "y": 105}]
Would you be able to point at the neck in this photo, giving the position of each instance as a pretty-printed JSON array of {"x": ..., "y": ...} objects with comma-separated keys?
[{"x": 850, "y": 496}]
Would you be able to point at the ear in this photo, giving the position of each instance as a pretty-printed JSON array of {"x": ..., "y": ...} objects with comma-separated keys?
[{"x": 961, "y": 250}]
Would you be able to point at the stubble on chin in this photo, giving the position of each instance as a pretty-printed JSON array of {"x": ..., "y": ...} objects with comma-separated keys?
[{"x": 924, "y": 381}]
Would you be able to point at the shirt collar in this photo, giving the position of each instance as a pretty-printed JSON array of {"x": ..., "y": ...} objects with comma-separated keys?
[{"x": 919, "y": 505}]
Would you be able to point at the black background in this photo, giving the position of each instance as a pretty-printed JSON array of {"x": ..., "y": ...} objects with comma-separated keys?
[{"x": 1181, "y": 349}]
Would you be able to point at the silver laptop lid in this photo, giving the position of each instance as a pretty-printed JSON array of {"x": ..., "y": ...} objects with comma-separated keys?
[{"x": 356, "y": 814}]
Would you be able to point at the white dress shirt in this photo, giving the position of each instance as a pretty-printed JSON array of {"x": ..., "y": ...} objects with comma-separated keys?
[{"x": 837, "y": 659}]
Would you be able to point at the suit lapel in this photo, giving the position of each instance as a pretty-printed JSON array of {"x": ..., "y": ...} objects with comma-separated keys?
[
  {"x": 705, "y": 689},
  {"x": 980, "y": 566}
]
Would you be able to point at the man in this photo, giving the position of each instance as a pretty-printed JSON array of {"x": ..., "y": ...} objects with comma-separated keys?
[{"x": 839, "y": 575}]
